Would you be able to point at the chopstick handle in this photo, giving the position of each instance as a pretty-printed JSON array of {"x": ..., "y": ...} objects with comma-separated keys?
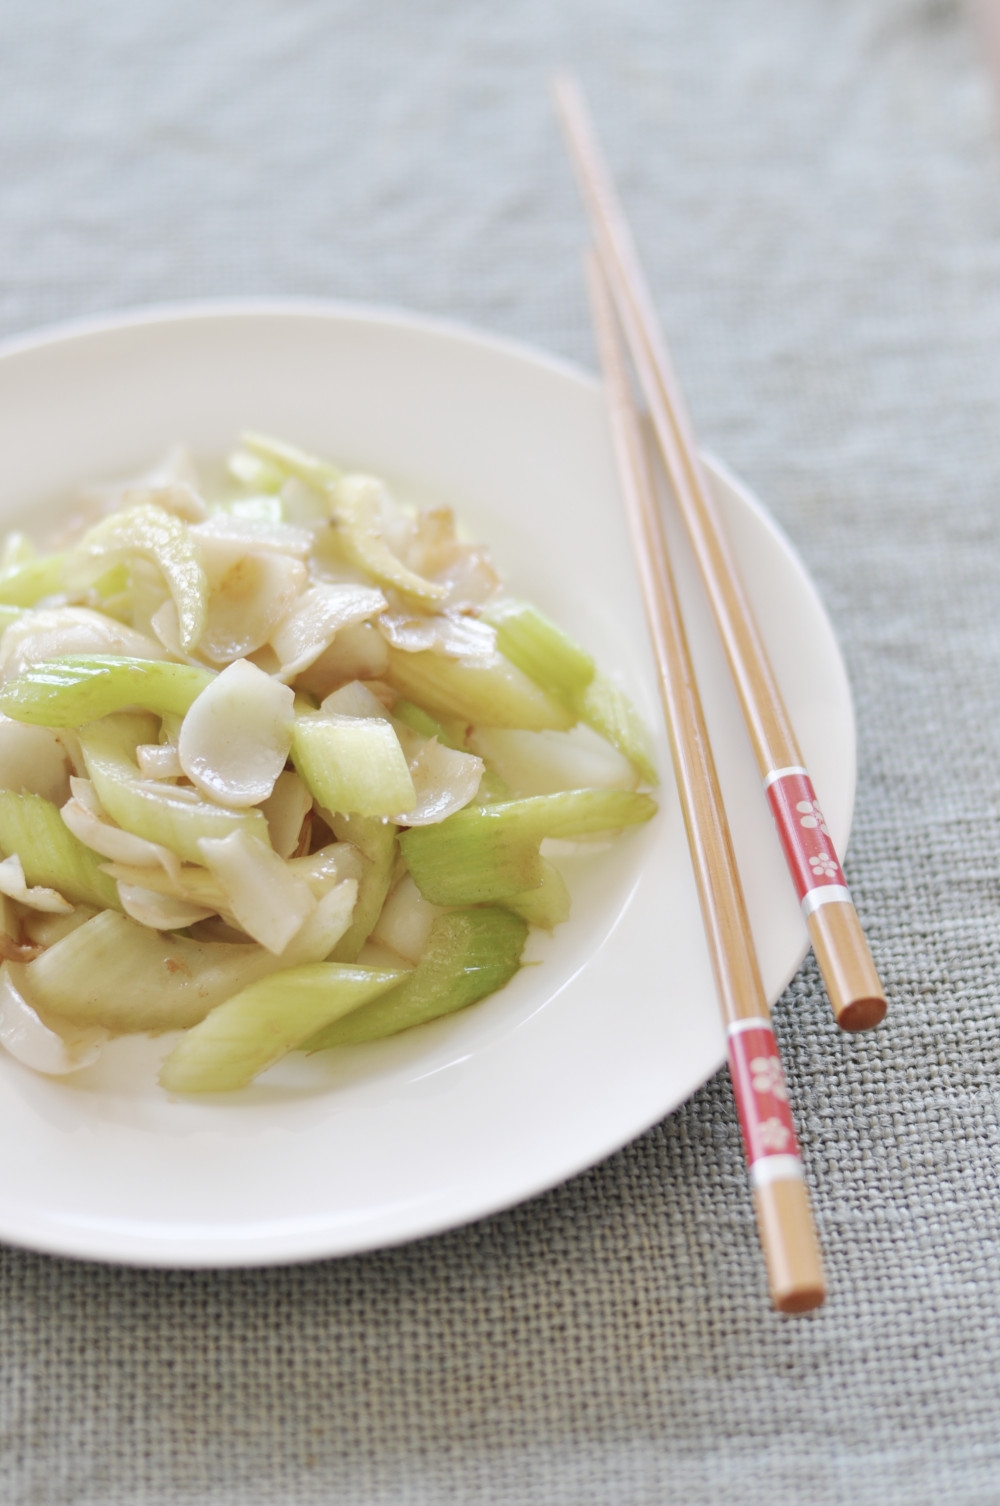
[
  {"x": 852, "y": 983},
  {"x": 777, "y": 1178},
  {"x": 784, "y": 1218},
  {"x": 853, "y": 986}
]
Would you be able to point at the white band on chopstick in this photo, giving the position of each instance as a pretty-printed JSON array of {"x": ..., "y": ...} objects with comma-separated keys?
[
  {"x": 777, "y": 774},
  {"x": 768, "y": 1169},
  {"x": 825, "y": 894},
  {"x": 752, "y": 1022}
]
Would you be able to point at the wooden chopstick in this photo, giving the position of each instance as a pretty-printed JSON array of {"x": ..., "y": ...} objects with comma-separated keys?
[
  {"x": 852, "y": 983},
  {"x": 784, "y": 1217}
]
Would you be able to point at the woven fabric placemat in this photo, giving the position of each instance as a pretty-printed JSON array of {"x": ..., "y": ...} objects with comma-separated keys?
[{"x": 816, "y": 192}]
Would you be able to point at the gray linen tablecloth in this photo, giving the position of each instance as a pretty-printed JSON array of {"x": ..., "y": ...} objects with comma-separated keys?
[{"x": 816, "y": 190}]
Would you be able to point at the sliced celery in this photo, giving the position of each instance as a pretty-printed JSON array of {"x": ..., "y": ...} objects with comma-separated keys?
[
  {"x": 493, "y": 692},
  {"x": 258, "y": 1026},
  {"x": 376, "y": 841},
  {"x": 559, "y": 666},
  {"x": 468, "y": 860},
  {"x": 254, "y": 472},
  {"x": 112, "y": 585},
  {"x": 352, "y": 763},
  {"x": 17, "y": 549},
  {"x": 492, "y": 788},
  {"x": 25, "y": 584},
  {"x": 606, "y": 708},
  {"x": 541, "y": 650},
  {"x": 50, "y": 854},
  {"x": 421, "y": 721},
  {"x": 291, "y": 461},
  {"x": 357, "y": 512},
  {"x": 171, "y": 815},
  {"x": 548, "y": 905},
  {"x": 490, "y": 852},
  {"x": 471, "y": 953},
  {"x": 69, "y": 691},
  {"x": 148, "y": 532},
  {"x": 120, "y": 974},
  {"x": 266, "y": 511}
]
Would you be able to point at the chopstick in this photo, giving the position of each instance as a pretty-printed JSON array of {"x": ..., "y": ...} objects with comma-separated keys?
[
  {"x": 844, "y": 959},
  {"x": 784, "y": 1217}
]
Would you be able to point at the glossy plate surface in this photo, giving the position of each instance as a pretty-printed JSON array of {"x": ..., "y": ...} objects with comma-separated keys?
[{"x": 371, "y": 1146}]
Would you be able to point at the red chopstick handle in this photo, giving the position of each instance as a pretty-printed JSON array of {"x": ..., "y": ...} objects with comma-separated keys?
[
  {"x": 855, "y": 990},
  {"x": 788, "y": 1236},
  {"x": 762, "y": 1101},
  {"x": 806, "y": 841}
]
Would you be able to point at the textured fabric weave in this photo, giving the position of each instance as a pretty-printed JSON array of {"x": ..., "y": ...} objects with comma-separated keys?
[{"x": 816, "y": 192}]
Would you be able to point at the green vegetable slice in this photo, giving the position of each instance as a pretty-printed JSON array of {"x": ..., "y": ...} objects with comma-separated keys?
[
  {"x": 470, "y": 953},
  {"x": 25, "y": 584},
  {"x": 357, "y": 511},
  {"x": 605, "y": 707},
  {"x": 419, "y": 720},
  {"x": 172, "y": 815},
  {"x": 50, "y": 854},
  {"x": 548, "y": 905},
  {"x": 492, "y": 692},
  {"x": 122, "y": 975},
  {"x": 490, "y": 852},
  {"x": 148, "y": 532},
  {"x": 254, "y": 472},
  {"x": 352, "y": 763},
  {"x": 69, "y": 691},
  {"x": 540, "y": 649},
  {"x": 550, "y": 658},
  {"x": 376, "y": 841},
  {"x": 258, "y": 1026},
  {"x": 291, "y": 461}
]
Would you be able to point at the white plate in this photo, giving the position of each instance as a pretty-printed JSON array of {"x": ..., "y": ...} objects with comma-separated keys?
[{"x": 617, "y": 1025}]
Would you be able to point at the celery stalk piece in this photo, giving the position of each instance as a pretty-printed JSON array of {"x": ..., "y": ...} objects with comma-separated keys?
[
  {"x": 254, "y": 472},
  {"x": 606, "y": 708},
  {"x": 541, "y": 650},
  {"x": 50, "y": 854},
  {"x": 492, "y": 788},
  {"x": 17, "y": 549},
  {"x": 352, "y": 763},
  {"x": 492, "y": 692},
  {"x": 291, "y": 461},
  {"x": 258, "y": 1026},
  {"x": 171, "y": 815},
  {"x": 357, "y": 511},
  {"x": 148, "y": 532},
  {"x": 490, "y": 852},
  {"x": 376, "y": 841},
  {"x": 69, "y": 691},
  {"x": 553, "y": 661},
  {"x": 471, "y": 953},
  {"x": 120, "y": 974},
  {"x": 419, "y": 720},
  {"x": 548, "y": 905},
  {"x": 25, "y": 584},
  {"x": 472, "y": 864}
]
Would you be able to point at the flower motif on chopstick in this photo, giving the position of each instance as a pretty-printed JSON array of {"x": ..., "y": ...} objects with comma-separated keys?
[
  {"x": 766, "y": 1076},
  {"x": 823, "y": 865},
  {"x": 811, "y": 816},
  {"x": 773, "y": 1134}
]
